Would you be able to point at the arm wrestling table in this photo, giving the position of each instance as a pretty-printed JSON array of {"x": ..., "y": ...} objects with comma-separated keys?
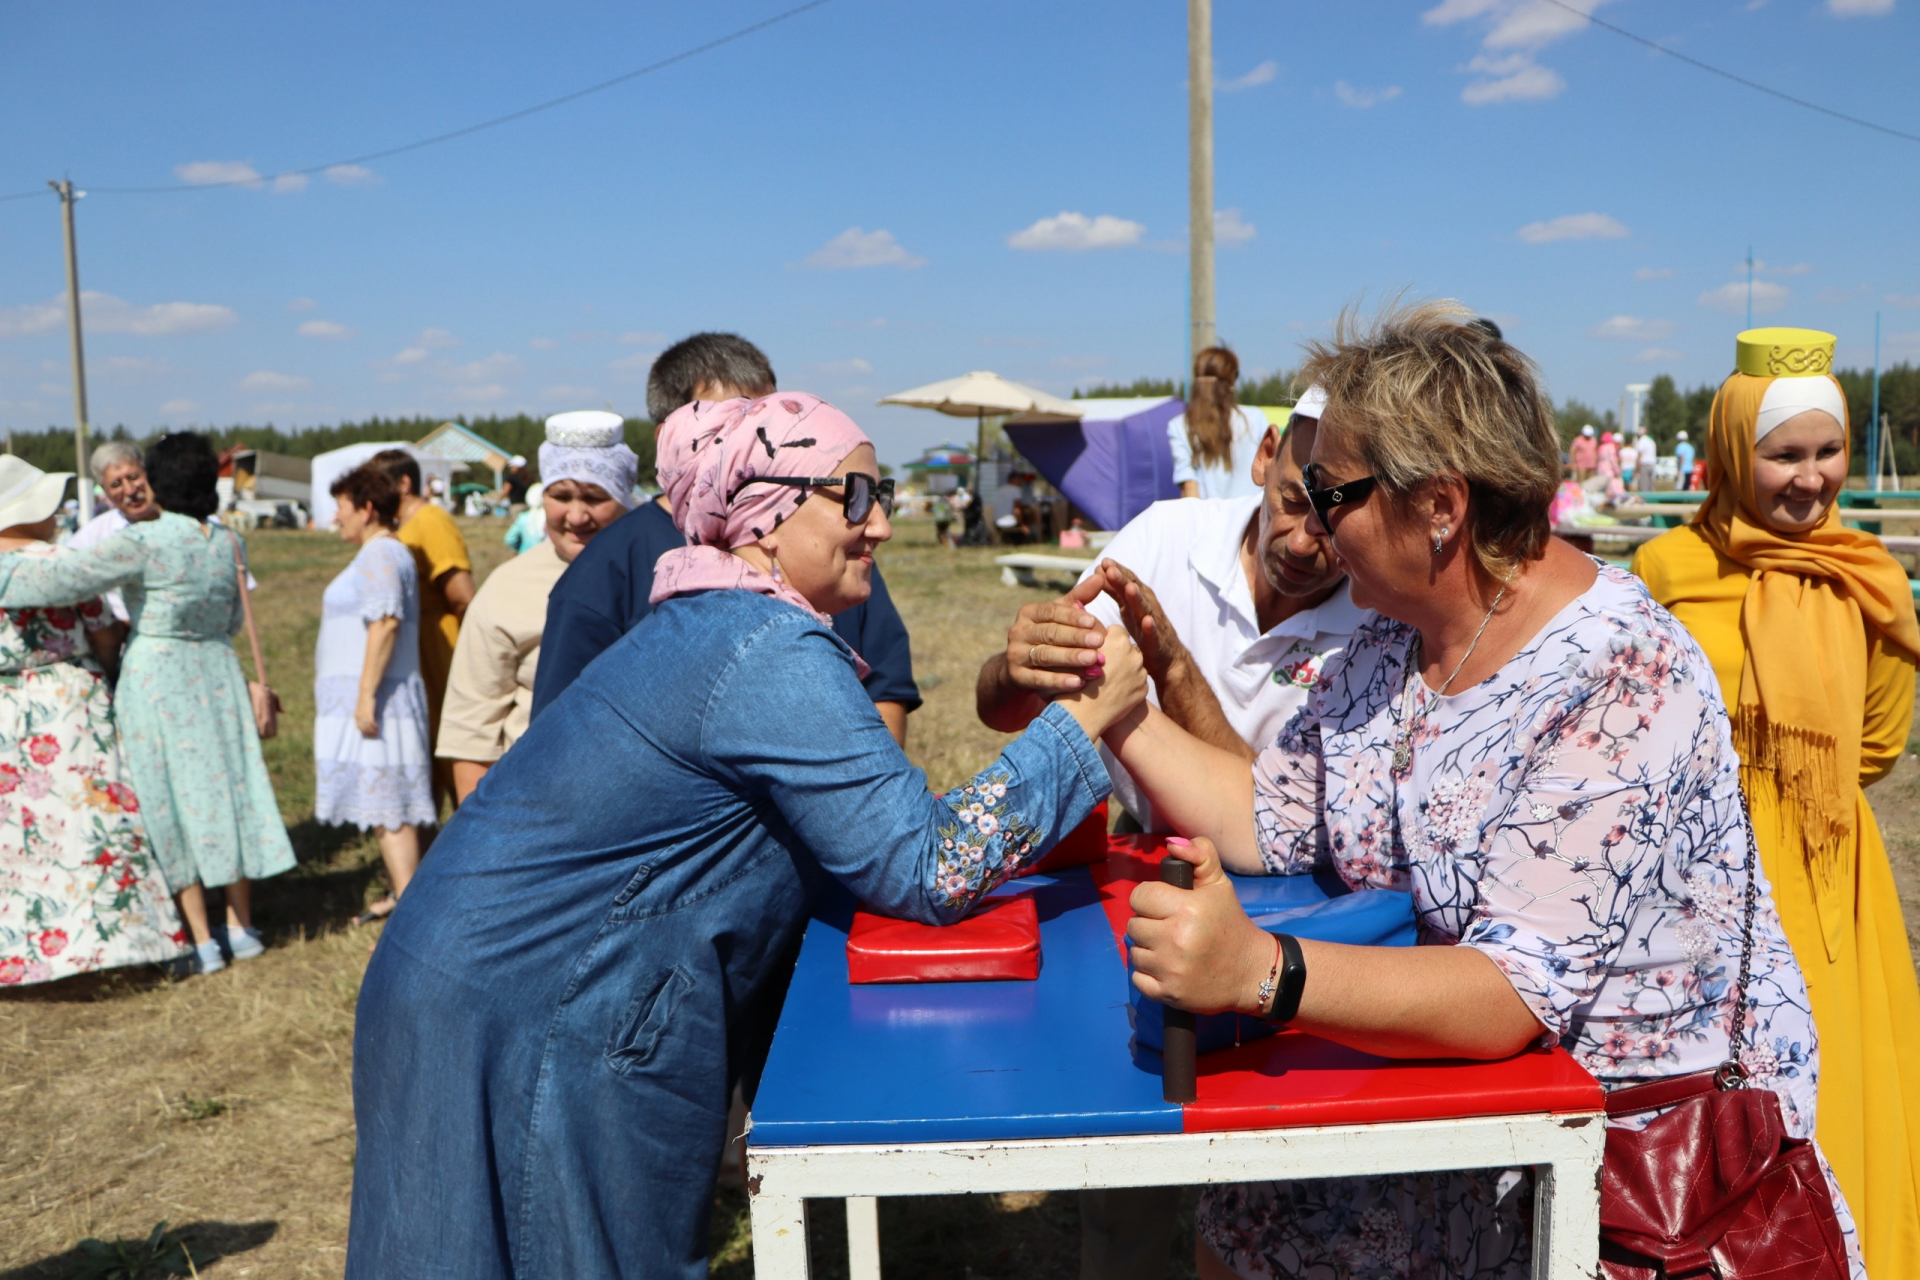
[{"x": 943, "y": 1088}]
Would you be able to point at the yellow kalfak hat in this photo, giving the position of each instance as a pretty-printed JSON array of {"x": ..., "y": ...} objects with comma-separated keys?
[{"x": 1784, "y": 353}]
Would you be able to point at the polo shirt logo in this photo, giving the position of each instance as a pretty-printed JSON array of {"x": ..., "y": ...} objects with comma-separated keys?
[{"x": 1303, "y": 674}]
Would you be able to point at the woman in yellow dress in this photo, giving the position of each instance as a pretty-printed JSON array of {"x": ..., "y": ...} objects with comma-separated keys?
[{"x": 1810, "y": 627}]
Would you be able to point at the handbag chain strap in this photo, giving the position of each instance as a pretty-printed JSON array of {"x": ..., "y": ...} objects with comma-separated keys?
[{"x": 1731, "y": 1074}]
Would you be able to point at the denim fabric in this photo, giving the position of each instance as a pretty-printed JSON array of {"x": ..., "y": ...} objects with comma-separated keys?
[{"x": 599, "y": 943}]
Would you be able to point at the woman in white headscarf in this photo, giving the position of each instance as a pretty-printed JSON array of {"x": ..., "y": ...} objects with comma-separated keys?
[{"x": 587, "y": 474}]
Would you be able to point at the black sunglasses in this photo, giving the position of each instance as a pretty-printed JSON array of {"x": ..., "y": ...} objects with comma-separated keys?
[
  {"x": 862, "y": 491},
  {"x": 1324, "y": 497}
]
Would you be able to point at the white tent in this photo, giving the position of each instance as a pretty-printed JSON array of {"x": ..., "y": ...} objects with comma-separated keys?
[{"x": 330, "y": 466}]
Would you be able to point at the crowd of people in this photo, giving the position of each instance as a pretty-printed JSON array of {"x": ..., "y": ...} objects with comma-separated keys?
[{"x": 1352, "y": 647}]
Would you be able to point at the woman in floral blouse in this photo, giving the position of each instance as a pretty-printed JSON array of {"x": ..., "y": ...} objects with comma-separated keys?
[
  {"x": 79, "y": 886},
  {"x": 1528, "y": 744}
]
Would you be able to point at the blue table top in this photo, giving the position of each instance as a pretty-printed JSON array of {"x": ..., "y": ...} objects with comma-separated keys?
[{"x": 962, "y": 1061}]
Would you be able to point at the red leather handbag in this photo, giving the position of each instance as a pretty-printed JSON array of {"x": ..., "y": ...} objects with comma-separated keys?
[
  {"x": 1715, "y": 1187},
  {"x": 999, "y": 942}
]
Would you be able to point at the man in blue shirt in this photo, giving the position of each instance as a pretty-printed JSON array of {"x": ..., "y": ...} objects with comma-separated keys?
[
  {"x": 1683, "y": 450},
  {"x": 604, "y": 592}
]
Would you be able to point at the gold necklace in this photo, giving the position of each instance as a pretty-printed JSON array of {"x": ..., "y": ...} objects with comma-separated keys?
[{"x": 1403, "y": 750}]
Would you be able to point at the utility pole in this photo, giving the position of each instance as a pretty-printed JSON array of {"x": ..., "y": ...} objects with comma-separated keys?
[
  {"x": 1874, "y": 428},
  {"x": 1200, "y": 328},
  {"x": 82, "y": 489}
]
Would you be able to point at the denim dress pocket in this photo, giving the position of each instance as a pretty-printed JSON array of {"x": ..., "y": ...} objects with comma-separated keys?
[{"x": 638, "y": 1033}]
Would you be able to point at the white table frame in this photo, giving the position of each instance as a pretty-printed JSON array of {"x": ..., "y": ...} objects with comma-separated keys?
[{"x": 1564, "y": 1150}]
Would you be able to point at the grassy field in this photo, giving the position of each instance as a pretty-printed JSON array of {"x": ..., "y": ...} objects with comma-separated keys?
[{"x": 222, "y": 1104}]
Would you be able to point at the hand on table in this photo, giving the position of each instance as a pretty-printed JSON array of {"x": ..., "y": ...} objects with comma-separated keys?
[{"x": 1195, "y": 948}]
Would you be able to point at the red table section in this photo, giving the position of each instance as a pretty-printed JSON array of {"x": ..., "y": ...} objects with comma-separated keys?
[{"x": 1296, "y": 1079}]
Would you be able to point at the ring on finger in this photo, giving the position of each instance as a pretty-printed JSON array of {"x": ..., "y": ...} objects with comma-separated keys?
[{"x": 1031, "y": 660}]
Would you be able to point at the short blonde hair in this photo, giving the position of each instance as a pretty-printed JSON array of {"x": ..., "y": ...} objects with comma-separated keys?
[{"x": 1421, "y": 392}]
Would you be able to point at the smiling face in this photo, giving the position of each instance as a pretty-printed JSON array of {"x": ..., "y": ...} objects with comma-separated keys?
[
  {"x": 125, "y": 484},
  {"x": 1294, "y": 561},
  {"x": 823, "y": 556},
  {"x": 576, "y": 511},
  {"x": 1798, "y": 468}
]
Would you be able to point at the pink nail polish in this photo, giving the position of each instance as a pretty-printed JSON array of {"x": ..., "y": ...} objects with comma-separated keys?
[{"x": 1182, "y": 841}]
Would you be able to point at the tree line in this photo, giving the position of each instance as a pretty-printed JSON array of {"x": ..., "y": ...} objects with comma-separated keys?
[{"x": 52, "y": 449}]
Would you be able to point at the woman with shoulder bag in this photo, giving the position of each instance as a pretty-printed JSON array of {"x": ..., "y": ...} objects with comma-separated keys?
[
  {"x": 1539, "y": 753},
  {"x": 187, "y": 719}
]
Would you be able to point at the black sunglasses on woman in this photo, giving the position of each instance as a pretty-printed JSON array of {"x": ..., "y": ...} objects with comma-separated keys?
[
  {"x": 862, "y": 491},
  {"x": 1323, "y": 495}
]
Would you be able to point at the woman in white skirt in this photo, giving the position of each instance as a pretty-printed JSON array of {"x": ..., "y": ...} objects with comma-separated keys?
[{"x": 372, "y": 763}]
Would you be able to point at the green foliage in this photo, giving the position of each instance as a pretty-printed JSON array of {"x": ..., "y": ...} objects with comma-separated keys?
[
  {"x": 1127, "y": 390},
  {"x": 52, "y": 450},
  {"x": 161, "y": 1252},
  {"x": 1669, "y": 410},
  {"x": 198, "y": 1108},
  {"x": 1573, "y": 415},
  {"x": 1274, "y": 389}
]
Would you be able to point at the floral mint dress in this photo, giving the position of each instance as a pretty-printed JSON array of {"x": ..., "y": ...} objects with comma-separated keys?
[
  {"x": 1577, "y": 818},
  {"x": 79, "y": 886}
]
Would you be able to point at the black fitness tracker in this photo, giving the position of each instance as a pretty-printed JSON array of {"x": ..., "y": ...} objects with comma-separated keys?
[{"x": 1292, "y": 981}]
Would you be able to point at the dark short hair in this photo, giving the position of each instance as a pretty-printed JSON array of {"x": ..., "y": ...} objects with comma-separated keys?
[
  {"x": 371, "y": 484},
  {"x": 713, "y": 358},
  {"x": 397, "y": 463},
  {"x": 184, "y": 473}
]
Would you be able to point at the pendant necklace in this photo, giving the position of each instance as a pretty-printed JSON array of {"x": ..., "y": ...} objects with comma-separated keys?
[{"x": 1403, "y": 750}]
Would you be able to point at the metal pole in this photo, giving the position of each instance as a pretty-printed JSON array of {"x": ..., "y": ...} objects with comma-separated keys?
[
  {"x": 82, "y": 489},
  {"x": 1874, "y": 430},
  {"x": 1200, "y": 327}
]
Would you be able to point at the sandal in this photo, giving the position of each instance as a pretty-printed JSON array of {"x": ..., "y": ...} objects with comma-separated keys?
[{"x": 378, "y": 911}]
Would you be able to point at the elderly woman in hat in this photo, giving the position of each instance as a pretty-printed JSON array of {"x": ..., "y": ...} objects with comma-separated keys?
[
  {"x": 550, "y": 1030},
  {"x": 185, "y": 715},
  {"x": 1810, "y": 629},
  {"x": 587, "y": 473},
  {"x": 80, "y": 888}
]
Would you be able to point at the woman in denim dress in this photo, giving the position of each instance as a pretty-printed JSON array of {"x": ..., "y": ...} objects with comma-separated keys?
[{"x": 596, "y": 951}]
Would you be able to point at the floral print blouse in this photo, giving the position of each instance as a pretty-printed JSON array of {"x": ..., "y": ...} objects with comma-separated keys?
[{"x": 1576, "y": 817}]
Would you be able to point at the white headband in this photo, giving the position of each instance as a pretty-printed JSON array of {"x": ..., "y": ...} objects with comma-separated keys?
[
  {"x": 1313, "y": 403},
  {"x": 1791, "y": 397}
]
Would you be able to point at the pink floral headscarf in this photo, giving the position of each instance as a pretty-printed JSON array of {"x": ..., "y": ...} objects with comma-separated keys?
[{"x": 709, "y": 451}]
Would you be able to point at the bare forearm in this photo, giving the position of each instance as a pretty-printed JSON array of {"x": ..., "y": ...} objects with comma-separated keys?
[
  {"x": 1412, "y": 1002},
  {"x": 1000, "y": 703},
  {"x": 1199, "y": 788},
  {"x": 894, "y": 716},
  {"x": 466, "y": 776},
  {"x": 1189, "y": 702},
  {"x": 381, "y": 635}
]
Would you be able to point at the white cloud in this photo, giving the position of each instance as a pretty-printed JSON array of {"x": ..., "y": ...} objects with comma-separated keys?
[
  {"x": 1653, "y": 273},
  {"x": 1859, "y": 8},
  {"x": 639, "y": 361},
  {"x": 856, "y": 247},
  {"x": 32, "y": 317},
  {"x": 206, "y": 173},
  {"x": 178, "y": 407},
  {"x": 1903, "y": 299},
  {"x": 1262, "y": 74},
  {"x": 352, "y": 175},
  {"x": 1229, "y": 228},
  {"x": 268, "y": 380},
  {"x": 409, "y": 355},
  {"x": 843, "y": 368},
  {"x": 1515, "y": 78},
  {"x": 1633, "y": 328},
  {"x": 484, "y": 370},
  {"x": 1574, "y": 226},
  {"x": 542, "y": 344},
  {"x": 324, "y": 329},
  {"x": 302, "y": 304},
  {"x": 878, "y": 322},
  {"x": 1363, "y": 98},
  {"x": 1516, "y": 31},
  {"x": 642, "y": 338},
  {"x": 105, "y": 313},
  {"x": 438, "y": 339},
  {"x": 1732, "y": 297},
  {"x": 1658, "y": 353},
  {"x": 288, "y": 183},
  {"x": 1074, "y": 232}
]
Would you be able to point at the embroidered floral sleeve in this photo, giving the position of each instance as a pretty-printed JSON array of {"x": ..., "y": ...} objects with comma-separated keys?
[
  {"x": 984, "y": 843},
  {"x": 381, "y": 570}
]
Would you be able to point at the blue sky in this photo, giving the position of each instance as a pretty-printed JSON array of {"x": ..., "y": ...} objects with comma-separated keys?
[{"x": 884, "y": 194}]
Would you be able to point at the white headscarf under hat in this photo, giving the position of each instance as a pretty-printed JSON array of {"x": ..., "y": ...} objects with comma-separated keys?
[
  {"x": 589, "y": 446},
  {"x": 1790, "y": 397}
]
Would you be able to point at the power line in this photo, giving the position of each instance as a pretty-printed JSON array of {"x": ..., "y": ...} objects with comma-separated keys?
[
  {"x": 1739, "y": 80},
  {"x": 438, "y": 138}
]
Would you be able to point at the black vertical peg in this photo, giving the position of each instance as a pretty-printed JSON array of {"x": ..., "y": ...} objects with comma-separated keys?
[{"x": 1178, "y": 1054}]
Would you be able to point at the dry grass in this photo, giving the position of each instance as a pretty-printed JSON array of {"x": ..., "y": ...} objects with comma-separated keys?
[{"x": 222, "y": 1104}]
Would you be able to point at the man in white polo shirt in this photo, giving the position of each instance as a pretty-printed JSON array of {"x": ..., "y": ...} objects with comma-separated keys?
[
  {"x": 1252, "y": 606},
  {"x": 1248, "y": 608}
]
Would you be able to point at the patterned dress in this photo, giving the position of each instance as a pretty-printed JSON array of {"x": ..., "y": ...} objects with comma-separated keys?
[
  {"x": 79, "y": 887},
  {"x": 1577, "y": 818},
  {"x": 371, "y": 782},
  {"x": 186, "y": 724}
]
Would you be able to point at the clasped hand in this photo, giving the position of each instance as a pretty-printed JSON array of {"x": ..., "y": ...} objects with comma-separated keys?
[{"x": 1056, "y": 647}]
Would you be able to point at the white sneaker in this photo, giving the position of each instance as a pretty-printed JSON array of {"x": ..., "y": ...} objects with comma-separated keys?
[
  {"x": 207, "y": 957},
  {"x": 243, "y": 942}
]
